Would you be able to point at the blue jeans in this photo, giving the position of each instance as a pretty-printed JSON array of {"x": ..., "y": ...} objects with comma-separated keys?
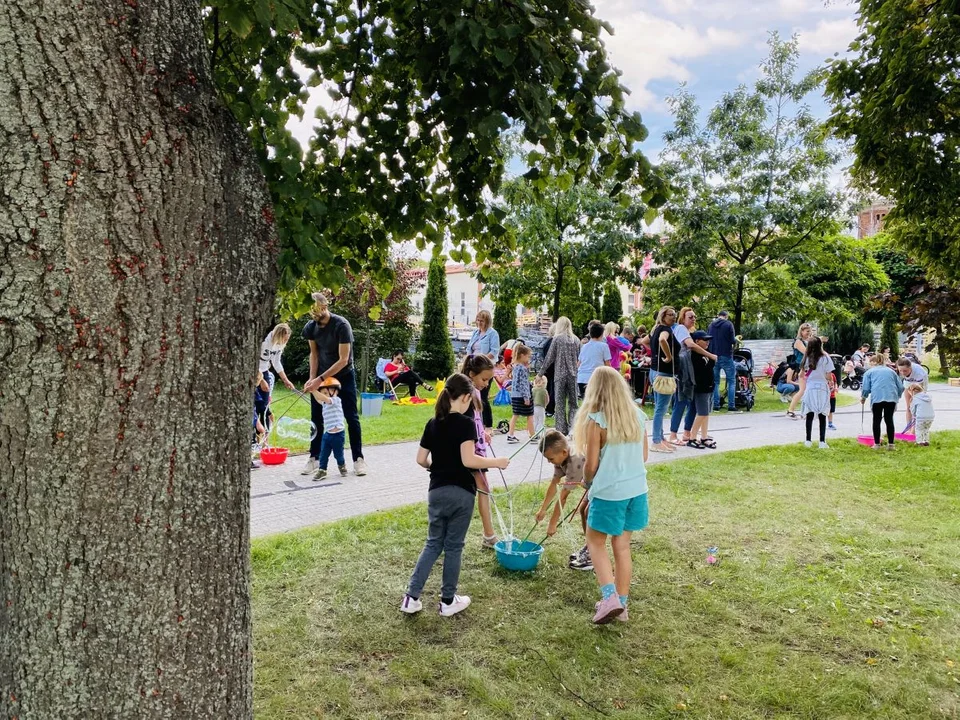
[
  {"x": 449, "y": 510},
  {"x": 660, "y": 404},
  {"x": 725, "y": 363},
  {"x": 348, "y": 396},
  {"x": 332, "y": 442},
  {"x": 787, "y": 388},
  {"x": 681, "y": 404}
]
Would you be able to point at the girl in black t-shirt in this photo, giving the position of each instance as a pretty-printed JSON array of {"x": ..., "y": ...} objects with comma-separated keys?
[{"x": 447, "y": 450}]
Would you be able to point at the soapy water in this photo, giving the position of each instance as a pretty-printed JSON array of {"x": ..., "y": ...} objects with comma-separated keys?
[{"x": 295, "y": 429}]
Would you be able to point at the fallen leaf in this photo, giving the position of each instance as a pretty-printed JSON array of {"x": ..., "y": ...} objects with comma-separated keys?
[
  {"x": 681, "y": 706},
  {"x": 950, "y": 663},
  {"x": 871, "y": 661}
]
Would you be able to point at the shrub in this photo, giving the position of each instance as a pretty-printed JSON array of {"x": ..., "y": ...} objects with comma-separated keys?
[{"x": 435, "y": 357}]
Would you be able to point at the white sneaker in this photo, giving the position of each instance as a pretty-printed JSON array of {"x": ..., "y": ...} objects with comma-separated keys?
[
  {"x": 807, "y": 443},
  {"x": 410, "y": 606},
  {"x": 459, "y": 604},
  {"x": 359, "y": 467},
  {"x": 311, "y": 466},
  {"x": 824, "y": 446}
]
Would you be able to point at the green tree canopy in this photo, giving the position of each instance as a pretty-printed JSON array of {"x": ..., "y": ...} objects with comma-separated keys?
[
  {"x": 750, "y": 192},
  {"x": 566, "y": 229},
  {"x": 919, "y": 302},
  {"x": 898, "y": 100},
  {"x": 421, "y": 94}
]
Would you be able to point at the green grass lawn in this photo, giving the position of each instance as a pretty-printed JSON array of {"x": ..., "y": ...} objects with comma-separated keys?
[
  {"x": 397, "y": 423},
  {"x": 837, "y": 596}
]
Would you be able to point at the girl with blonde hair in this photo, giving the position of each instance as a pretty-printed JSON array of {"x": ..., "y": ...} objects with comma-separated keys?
[
  {"x": 271, "y": 349},
  {"x": 610, "y": 432}
]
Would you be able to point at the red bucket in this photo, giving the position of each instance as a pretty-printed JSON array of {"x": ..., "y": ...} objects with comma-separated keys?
[{"x": 273, "y": 455}]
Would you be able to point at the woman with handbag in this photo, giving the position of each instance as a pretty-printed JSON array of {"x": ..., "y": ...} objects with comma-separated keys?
[{"x": 665, "y": 349}]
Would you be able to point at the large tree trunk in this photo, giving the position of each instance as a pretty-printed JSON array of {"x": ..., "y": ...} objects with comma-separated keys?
[{"x": 136, "y": 267}]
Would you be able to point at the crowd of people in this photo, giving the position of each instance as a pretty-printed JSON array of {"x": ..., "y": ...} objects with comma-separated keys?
[{"x": 600, "y": 436}]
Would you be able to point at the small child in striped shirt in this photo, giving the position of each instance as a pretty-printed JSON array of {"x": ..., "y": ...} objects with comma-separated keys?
[{"x": 334, "y": 438}]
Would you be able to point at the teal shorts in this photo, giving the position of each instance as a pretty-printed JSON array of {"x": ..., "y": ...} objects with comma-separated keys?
[{"x": 615, "y": 517}]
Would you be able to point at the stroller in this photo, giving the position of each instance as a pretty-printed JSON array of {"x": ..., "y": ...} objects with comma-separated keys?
[
  {"x": 851, "y": 377},
  {"x": 746, "y": 392}
]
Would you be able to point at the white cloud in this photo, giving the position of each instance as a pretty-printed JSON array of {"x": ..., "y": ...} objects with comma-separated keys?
[
  {"x": 646, "y": 47},
  {"x": 829, "y": 36}
]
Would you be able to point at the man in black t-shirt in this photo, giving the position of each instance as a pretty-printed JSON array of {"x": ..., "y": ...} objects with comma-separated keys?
[
  {"x": 724, "y": 340},
  {"x": 331, "y": 355}
]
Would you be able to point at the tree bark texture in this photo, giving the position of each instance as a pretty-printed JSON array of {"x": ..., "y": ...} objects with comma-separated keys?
[{"x": 137, "y": 268}]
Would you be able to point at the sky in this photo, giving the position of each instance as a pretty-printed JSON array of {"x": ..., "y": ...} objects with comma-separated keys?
[{"x": 713, "y": 46}]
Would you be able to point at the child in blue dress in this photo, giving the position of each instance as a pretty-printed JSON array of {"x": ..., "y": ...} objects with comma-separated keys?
[{"x": 611, "y": 433}]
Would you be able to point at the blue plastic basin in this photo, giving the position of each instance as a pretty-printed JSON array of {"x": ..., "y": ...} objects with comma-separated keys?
[{"x": 516, "y": 555}]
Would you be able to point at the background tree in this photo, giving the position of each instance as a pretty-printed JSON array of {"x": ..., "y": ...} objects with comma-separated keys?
[
  {"x": 505, "y": 316},
  {"x": 421, "y": 93},
  {"x": 612, "y": 308},
  {"x": 750, "y": 192},
  {"x": 846, "y": 337},
  {"x": 563, "y": 228},
  {"x": 890, "y": 337},
  {"x": 919, "y": 303},
  {"x": 435, "y": 358},
  {"x": 897, "y": 98}
]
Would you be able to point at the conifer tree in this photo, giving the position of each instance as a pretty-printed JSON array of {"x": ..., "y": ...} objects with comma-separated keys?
[
  {"x": 505, "y": 317},
  {"x": 612, "y": 308},
  {"x": 434, "y": 350}
]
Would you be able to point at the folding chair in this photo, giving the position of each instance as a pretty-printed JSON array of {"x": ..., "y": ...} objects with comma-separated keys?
[{"x": 388, "y": 387}]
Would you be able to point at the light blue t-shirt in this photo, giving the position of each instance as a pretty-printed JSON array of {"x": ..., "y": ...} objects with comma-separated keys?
[
  {"x": 621, "y": 474},
  {"x": 592, "y": 355}
]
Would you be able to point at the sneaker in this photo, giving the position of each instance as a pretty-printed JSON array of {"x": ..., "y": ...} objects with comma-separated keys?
[
  {"x": 607, "y": 610},
  {"x": 343, "y": 470},
  {"x": 512, "y": 439},
  {"x": 311, "y": 466},
  {"x": 807, "y": 443},
  {"x": 582, "y": 562},
  {"x": 577, "y": 553},
  {"x": 891, "y": 446},
  {"x": 321, "y": 474},
  {"x": 824, "y": 446},
  {"x": 623, "y": 617},
  {"x": 254, "y": 463},
  {"x": 360, "y": 467},
  {"x": 831, "y": 426},
  {"x": 459, "y": 604},
  {"x": 734, "y": 411},
  {"x": 489, "y": 542},
  {"x": 410, "y": 606}
]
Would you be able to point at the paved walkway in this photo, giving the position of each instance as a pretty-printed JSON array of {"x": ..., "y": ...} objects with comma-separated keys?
[{"x": 282, "y": 499}]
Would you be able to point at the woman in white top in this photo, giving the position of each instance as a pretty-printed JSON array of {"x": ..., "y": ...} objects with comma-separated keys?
[{"x": 271, "y": 349}]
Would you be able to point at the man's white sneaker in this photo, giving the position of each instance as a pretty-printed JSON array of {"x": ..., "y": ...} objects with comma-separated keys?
[
  {"x": 410, "y": 606},
  {"x": 459, "y": 604},
  {"x": 807, "y": 443},
  {"x": 311, "y": 466},
  {"x": 824, "y": 446},
  {"x": 359, "y": 467}
]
